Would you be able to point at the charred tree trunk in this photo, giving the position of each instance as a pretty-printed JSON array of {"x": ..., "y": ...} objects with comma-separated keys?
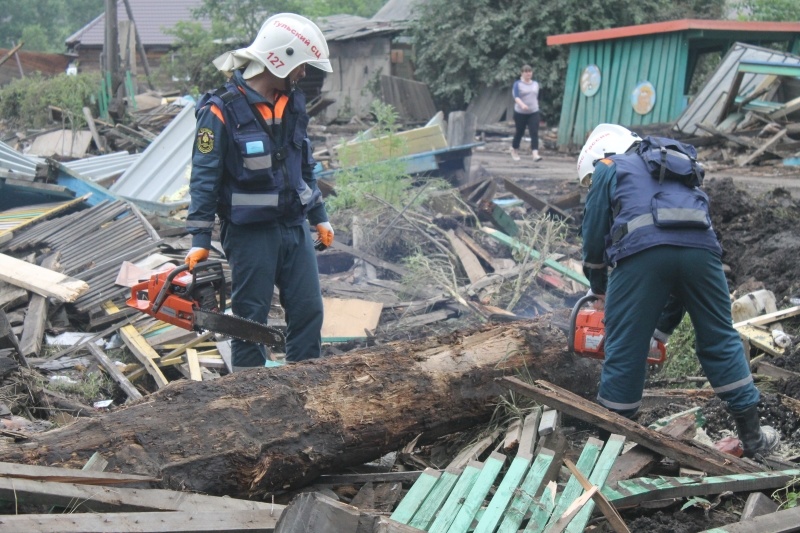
[{"x": 269, "y": 430}]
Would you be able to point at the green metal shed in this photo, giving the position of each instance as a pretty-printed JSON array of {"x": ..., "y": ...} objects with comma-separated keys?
[{"x": 637, "y": 75}]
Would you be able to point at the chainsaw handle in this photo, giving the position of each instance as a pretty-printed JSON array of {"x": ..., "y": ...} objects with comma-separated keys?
[
  {"x": 162, "y": 294},
  {"x": 574, "y": 316}
]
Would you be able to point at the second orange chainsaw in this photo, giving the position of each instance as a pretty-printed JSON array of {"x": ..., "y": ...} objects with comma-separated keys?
[{"x": 587, "y": 333}]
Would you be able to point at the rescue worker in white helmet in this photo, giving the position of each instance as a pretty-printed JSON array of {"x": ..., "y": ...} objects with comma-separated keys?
[
  {"x": 252, "y": 166},
  {"x": 646, "y": 219}
]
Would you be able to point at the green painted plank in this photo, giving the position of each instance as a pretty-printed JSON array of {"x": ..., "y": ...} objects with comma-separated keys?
[
  {"x": 635, "y": 491},
  {"x": 480, "y": 489},
  {"x": 456, "y": 499},
  {"x": 681, "y": 56},
  {"x": 555, "y": 265},
  {"x": 767, "y": 67},
  {"x": 506, "y": 489},
  {"x": 611, "y": 451},
  {"x": 523, "y": 498},
  {"x": 542, "y": 509},
  {"x": 504, "y": 220},
  {"x": 573, "y": 489},
  {"x": 437, "y": 496},
  {"x": 415, "y": 496},
  {"x": 572, "y": 90}
]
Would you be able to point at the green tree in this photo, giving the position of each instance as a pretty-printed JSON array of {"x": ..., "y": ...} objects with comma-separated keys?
[
  {"x": 463, "y": 46},
  {"x": 773, "y": 10},
  {"x": 45, "y": 24}
]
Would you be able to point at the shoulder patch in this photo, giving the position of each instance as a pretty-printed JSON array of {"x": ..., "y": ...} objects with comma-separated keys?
[
  {"x": 606, "y": 161},
  {"x": 205, "y": 140}
]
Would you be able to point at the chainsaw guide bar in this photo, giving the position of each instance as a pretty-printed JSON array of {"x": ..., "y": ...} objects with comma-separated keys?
[{"x": 240, "y": 328}]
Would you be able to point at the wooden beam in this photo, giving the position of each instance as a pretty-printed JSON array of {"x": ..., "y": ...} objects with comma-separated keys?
[
  {"x": 534, "y": 201},
  {"x": 140, "y": 348},
  {"x": 115, "y": 373},
  {"x": 692, "y": 454},
  {"x": 155, "y": 522},
  {"x": 36, "y": 316},
  {"x": 194, "y": 365},
  {"x": 469, "y": 260},
  {"x": 772, "y": 141},
  {"x": 40, "y": 280},
  {"x": 608, "y": 510},
  {"x": 69, "y": 475},
  {"x": 770, "y": 317},
  {"x": 369, "y": 258}
]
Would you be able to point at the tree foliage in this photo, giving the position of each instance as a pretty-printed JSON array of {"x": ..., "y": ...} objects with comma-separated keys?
[
  {"x": 44, "y": 25},
  {"x": 772, "y": 10},
  {"x": 22, "y": 100},
  {"x": 460, "y": 47}
]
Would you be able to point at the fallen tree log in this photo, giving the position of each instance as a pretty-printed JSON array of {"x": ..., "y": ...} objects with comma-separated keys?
[{"x": 268, "y": 430}]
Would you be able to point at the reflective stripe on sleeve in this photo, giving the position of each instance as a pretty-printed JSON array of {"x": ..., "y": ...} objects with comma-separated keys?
[
  {"x": 735, "y": 385},
  {"x": 618, "y": 406},
  {"x": 306, "y": 194},
  {"x": 199, "y": 224},
  {"x": 594, "y": 266}
]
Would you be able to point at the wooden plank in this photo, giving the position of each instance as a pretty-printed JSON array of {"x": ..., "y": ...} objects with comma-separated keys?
[
  {"x": 369, "y": 258},
  {"x": 40, "y": 280},
  {"x": 692, "y": 454},
  {"x": 768, "y": 369},
  {"x": 497, "y": 506},
  {"x": 140, "y": 348},
  {"x": 194, "y": 365},
  {"x": 428, "y": 509},
  {"x": 115, "y": 373},
  {"x": 772, "y": 141},
  {"x": 757, "y": 504},
  {"x": 480, "y": 489},
  {"x": 69, "y": 475},
  {"x": 11, "y": 296},
  {"x": 469, "y": 260},
  {"x": 555, "y": 265},
  {"x": 155, "y": 522},
  {"x": 534, "y": 201},
  {"x": 760, "y": 338},
  {"x": 98, "y": 498},
  {"x": 415, "y": 496},
  {"x": 543, "y": 509},
  {"x": 523, "y": 498},
  {"x": 530, "y": 427},
  {"x": 513, "y": 434},
  {"x": 455, "y": 500},
  {"x": 36, "y": 316},
  {"x": 416, "y": 141},
  {"x": 573, "y": 489},
  {"x": 635, "y": 491},
  {"x": 471, "y": 453},
  {"x": 598, "y": 478},
  {"x": 101, "y": 146},
  {"x": 608, "y": 510},
  {"x": 577, "y": 505},
  {"x": 769, "y": 318}
]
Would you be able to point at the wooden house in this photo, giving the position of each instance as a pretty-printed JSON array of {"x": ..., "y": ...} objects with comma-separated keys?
[{"x": 640, "y": 75}]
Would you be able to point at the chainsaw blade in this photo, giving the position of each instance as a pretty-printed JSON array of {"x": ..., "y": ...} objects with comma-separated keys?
[{"x": 240, "y": 328}]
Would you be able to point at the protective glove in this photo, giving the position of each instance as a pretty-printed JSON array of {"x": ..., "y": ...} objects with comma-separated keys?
[
  {"x": 324, "y": 236},
  {"x": 195, "y": 255}
]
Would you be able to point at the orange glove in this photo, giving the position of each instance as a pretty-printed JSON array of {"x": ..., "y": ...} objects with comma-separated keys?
[
  {"x": 324, "y": 235},
  {"x": 195, "y": 255}
]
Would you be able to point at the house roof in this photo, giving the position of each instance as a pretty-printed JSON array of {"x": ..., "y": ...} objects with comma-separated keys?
[
  {"x": 397, "y": 11},
  {"x": 672, "y": 26},
  {"x": 151, "y": 16}
]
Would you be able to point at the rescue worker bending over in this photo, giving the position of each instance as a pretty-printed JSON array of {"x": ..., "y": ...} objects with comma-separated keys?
[
  {"x": 656, "y": 234},
  {"x": 252, "y": 165}
]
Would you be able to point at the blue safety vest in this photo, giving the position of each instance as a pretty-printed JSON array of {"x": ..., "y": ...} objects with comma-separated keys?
[
  {"x": 647, "y": 213},
  {"x": 264, "y": 182}
]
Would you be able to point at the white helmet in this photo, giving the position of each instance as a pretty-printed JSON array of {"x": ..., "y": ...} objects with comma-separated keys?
[
  {"x": 284, "y": 41},
  {"x": 605, "y": 139}
]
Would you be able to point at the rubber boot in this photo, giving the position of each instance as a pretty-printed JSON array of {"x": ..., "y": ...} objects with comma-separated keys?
[{"x": 757, "y": 440}]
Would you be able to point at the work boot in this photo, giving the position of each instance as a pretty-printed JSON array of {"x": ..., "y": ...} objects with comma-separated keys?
[{"x": 757, "y": 440}]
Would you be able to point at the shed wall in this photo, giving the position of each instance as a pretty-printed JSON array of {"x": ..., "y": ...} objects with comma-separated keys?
[{"x": 624, "y": 63}]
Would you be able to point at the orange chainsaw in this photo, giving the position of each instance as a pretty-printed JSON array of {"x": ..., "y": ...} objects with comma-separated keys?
[
  {"x": 587, "y": 333},
  {"x": 194, "y": 300}
]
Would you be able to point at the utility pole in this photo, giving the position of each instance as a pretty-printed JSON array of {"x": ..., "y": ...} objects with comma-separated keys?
[{"x": 111, "y": 68}]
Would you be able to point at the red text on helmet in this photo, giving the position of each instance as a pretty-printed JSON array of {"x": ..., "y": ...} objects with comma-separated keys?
[
  {"x": 275, "y": 60},
  {"x": 303, "y": 39},
  {"x": 315, "y": 51}
]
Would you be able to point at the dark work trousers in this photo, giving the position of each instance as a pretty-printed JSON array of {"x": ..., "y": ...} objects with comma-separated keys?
[
  {"x": 638, "y": 289},
  {"x": 262, "y": 257},
  {"x": 522, "y": 121}
]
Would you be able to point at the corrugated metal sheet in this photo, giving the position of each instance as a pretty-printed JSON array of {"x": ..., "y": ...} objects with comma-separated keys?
[
  {"x": 103, "y": 167},
  {"x": 13, "y": 161},
  {"x": 161, "y": 174},
  {"x": 93, "y": 244},
  {"x": 623, "y": 63},
  {"x": 706, "y": 107}
]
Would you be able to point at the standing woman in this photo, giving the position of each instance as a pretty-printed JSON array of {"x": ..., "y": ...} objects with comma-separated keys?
[{"x": 526, "y": 112}]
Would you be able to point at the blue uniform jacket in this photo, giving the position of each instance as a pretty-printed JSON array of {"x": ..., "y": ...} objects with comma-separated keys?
[{"x": 211, "y": 181}]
